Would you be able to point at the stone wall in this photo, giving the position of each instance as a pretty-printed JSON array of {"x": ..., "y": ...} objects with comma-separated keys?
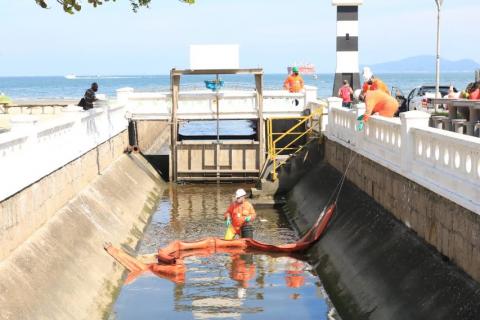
[
  {"x": 26, "y": 211},
  {"x": 451, "y": 229}
]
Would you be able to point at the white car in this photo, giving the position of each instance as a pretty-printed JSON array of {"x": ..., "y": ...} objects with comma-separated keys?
[{"x": 418, "y": 97}]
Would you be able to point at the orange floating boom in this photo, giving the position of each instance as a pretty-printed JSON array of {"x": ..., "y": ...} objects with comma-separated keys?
[{"x": 170, "y": 258}]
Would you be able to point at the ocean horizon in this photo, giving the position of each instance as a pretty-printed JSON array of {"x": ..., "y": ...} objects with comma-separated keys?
[{"x": 59, "y": 87}]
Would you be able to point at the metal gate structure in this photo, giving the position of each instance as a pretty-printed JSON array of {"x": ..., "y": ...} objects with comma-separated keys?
[{"x": 233, "y": 160}]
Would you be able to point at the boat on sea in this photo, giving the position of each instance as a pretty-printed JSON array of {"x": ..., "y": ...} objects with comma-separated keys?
[
  {"x": 304, "y": 69},
  {"x": 70, "y": 76}
]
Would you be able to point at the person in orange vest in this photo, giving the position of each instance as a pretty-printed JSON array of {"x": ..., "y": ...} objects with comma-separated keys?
[
  {"x": 372, "y": 83},
  {"x": 239, "y": 216},
  {"x": 381, "y": 103},
  {"x": 294, "y": 82}
]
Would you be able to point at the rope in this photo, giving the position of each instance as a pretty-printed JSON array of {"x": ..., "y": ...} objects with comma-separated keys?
[{"x": 338, "y": 188}]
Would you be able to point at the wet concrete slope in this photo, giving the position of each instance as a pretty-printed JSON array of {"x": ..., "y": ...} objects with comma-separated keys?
[
  {"x": 372, "y": 265},
  {"x": 62, "y": 271}
]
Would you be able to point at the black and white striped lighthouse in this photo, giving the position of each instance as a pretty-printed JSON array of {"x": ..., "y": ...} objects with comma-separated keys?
[{"x": 347, "y": 44}]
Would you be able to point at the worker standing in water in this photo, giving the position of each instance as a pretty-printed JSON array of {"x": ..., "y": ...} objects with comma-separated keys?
[
  {"x": 239, "y": 216},
  {"x": 294, "y": 82}
]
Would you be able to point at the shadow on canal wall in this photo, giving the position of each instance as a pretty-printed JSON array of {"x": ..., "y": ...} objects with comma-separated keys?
[
  {"x": 61, "y": 271},
  {"x": 372, "y": 265}
]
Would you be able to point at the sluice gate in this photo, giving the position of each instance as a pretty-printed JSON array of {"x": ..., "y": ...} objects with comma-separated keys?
[
  {"x": 219, "y": 153},
  {"x": 228, "y": 160}
]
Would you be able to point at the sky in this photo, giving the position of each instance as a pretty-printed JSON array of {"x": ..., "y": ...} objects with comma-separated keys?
[{"x": 112, "y": 40}]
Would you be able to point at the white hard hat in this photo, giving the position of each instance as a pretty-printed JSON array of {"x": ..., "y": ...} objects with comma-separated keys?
[
  {"x": 357, "y": 94},
  {"x": 240, "y": 193},
  {"x": 367, "y": 74}
]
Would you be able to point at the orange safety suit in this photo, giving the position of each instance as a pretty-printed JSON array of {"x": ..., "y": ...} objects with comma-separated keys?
[
  {"x": 238, "y": 212},
  {"x": 293, "y": 83},
  {"x": 377, "y": 84},
  {"x": 380, "y": 102}
]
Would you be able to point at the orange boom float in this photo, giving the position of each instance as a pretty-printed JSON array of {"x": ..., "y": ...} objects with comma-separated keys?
[{"x": 169, "y": 260}]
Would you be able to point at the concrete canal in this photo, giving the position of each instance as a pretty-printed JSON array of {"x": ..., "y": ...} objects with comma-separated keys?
[
  {"x": 222, "y": 286},
  {"x": 368, "y": 265}
]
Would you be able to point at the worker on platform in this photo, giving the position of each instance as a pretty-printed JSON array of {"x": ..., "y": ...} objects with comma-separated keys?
[
  {"x": 381, "y": 103},
  {"x": 239, "y": 217},
  {"x": 294, "y": 82},
  {"x": 372, "y": 83}
]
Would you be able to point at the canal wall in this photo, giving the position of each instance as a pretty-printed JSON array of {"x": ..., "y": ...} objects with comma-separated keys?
[
  {"x": 153, "y": 134},
  {"x": 427, "y": 178},
  {"x": 372, "y": 265},
  {"x": 61, "y": 271},
  {"x": 70, "y": 188}
]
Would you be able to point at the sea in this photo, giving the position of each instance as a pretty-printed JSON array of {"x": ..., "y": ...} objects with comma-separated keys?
[{"x": 59, "y": 87}]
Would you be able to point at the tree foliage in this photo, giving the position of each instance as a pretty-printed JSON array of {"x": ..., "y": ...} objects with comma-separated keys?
[{"x": 72, "y": 6}]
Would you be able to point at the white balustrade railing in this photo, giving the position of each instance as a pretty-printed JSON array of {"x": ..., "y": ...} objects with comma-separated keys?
[
  {"x": 445, "y": 162},
  {"x": 32, "y": 150},
  {"x": 447, "y": 159},
  {"x": 201, "y": 104}
]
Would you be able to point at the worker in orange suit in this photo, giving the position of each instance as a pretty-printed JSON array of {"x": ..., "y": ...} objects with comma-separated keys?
[
  {"x": 294, "y": 82},
  {"x": 372, "y": 83},
  {"x": 239, "y": 216},
  {"x": 381, "y": 103}
]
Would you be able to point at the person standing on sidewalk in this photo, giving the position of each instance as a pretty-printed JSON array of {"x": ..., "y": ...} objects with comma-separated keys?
[{"x": 346, "y": 92}]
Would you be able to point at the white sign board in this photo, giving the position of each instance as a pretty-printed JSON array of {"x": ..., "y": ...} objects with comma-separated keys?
[{"x": 204, "y": 57}]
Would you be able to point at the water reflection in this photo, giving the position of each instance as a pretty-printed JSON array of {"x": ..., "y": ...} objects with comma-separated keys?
[{"x": 228, "y": 285}]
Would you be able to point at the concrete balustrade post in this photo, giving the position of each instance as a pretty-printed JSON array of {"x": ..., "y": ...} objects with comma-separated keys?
[
  {"x": 410, "y": 120},
  {"x": 333, "y": 102},
  {"x": 310, "y": 95}
]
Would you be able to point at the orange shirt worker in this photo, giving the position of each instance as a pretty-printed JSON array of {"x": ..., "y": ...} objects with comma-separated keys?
[
  {"x": 238, "y": 216},
  {"x": 294, "y": 82},
  {"x": 379, "y": 102}
]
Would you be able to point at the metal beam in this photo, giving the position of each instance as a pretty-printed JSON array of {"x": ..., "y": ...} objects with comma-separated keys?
[
  {"x": 253, "y": 71},
  {"x": 175, "y": 81},
  {"x": 261, "y": 121}
]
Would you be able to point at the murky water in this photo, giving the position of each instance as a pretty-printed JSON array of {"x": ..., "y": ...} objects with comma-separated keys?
[{"x": 222, "y": 286}]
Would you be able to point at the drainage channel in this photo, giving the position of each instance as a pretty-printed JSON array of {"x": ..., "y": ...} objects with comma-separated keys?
[{"x": 222, "y": 286}]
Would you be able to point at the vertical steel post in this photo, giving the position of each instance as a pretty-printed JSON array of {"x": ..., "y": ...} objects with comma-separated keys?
[
  {"x": 217, "y": 148},
  {"x": 175, "y": 81},
  {"x": 437, "y": 67},
  {"x": 261, "y": 123},
  {"x": 217, "y": 97}
]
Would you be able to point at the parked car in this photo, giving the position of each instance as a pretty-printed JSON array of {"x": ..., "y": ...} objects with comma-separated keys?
[{"x": 418, "y": 97}]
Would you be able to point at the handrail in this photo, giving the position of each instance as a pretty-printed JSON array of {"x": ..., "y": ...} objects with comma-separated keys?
[{"x": 274, "y": 152}]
